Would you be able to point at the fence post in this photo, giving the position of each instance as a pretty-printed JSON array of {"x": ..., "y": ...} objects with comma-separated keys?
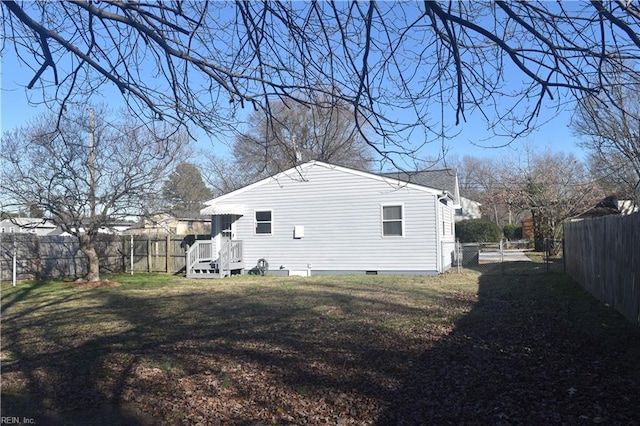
[
  {"x": 14, "y": 274},
  {"x": 547, "y": 251},
  {"x": 149, "y": 253},
  {"x": 131, "y": 254},
  {"x": 168, "y": 254},
  {"x": 564, "y": 265},
  {"x": 501, "y": 257}
]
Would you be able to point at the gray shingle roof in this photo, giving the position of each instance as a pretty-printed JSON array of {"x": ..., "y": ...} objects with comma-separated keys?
[{"x": 443, "y": 179}]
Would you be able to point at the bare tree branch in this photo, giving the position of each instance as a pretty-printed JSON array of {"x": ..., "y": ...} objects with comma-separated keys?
[{"x": 407, "y": 69}]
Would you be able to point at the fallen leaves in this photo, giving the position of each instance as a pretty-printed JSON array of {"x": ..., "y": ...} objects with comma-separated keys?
[{"x": 322, "y": 353}]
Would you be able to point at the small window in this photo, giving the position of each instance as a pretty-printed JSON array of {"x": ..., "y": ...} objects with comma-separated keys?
[
  {"x": 263, "y": 222},
  {"x": 392, "y": 225}
]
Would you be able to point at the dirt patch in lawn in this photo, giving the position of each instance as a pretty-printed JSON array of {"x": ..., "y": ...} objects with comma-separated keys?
[
  {"x": 459, "y": 348},
  {"x": 92, "y": 284}
]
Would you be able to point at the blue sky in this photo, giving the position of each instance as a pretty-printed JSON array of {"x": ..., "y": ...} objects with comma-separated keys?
[{"x": 473, "y": 139}]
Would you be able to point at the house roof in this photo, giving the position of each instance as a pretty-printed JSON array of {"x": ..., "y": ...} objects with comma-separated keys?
[
  {"x": 442, "y": 179},
  {"x": 217, "y": 205},
  {"x": 27, "y": 222}
]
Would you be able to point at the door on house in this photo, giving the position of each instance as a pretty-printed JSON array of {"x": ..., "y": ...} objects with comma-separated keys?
[{"x": 227, "y": 228}]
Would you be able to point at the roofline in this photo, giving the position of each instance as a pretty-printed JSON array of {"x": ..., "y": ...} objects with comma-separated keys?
[{"x": 298, "y": 170}]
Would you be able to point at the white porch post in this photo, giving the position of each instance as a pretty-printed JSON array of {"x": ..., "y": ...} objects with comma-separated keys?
[{"x": 215, "y": 235}]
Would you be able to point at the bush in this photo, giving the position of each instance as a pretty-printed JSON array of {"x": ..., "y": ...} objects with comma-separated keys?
[
  {"x": 512, "y": 232},
  {"x": 477, "y": 230}
]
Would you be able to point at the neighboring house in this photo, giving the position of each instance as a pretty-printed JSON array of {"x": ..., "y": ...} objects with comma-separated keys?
[
  {"x": 27, "y": 225},
  {"x": 469, "y": 209},
  {"x": 627, "y": 207},
  {"x": 48, "y": 227},
  {"x": 445, "y": 180},
  {"x": 164, "y": 223},
  {"x": 112, "y": 227},
  {"x": 609, "y": 206},
  {"x": 320, "y": 218}
]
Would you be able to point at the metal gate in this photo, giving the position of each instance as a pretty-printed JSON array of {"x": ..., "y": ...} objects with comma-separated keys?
[{"x": 511, "y": 258}]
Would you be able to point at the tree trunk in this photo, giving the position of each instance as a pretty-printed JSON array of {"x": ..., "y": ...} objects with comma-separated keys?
[
  {"x": 88, "y": 249},
  {"x": 538, "y": 231}
]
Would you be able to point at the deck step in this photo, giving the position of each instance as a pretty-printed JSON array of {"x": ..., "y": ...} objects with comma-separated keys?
[
  {"x": 204, "y": 273},
  {"x": 205, "y": 266}
]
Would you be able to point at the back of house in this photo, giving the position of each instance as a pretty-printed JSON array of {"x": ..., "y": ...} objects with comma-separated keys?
[{"x": 319, "y": 218}]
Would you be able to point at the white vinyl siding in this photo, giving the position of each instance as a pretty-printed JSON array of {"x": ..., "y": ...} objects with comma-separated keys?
[
  {"x": 447, "y": 232},
  {"x": 341, "y": 215},
  {"x": 392, "y": 221},
  {"x": 446, "y": 221}
]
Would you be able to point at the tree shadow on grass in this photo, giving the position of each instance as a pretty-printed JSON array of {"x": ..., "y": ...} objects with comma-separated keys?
[
  {"x": 535, "y": 349},
  {"x": 523, "y": 350},
  {"x": 270, "y": 349},
  {"x": 50, "y": 377}
]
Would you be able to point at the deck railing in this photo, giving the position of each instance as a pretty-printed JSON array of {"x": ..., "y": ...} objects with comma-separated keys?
[
  {"x": 200, "y": 251},
  {"x": 231, "y": 257},
  {"x": 228, "y": 259}
]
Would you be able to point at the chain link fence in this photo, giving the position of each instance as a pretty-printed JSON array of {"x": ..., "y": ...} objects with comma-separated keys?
[{"x": 521, "y": 257}]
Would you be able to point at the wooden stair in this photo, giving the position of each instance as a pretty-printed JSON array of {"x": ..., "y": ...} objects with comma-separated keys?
[
  {"x": 227, "y": 262},
  {"x": 205, "y": 269}
]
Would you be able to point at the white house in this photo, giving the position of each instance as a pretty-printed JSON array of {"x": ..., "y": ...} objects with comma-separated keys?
[
  {"x": 26, "y": 225},
  {"x": 319, "y": 218},
  {"x": 469, "y": 209}
]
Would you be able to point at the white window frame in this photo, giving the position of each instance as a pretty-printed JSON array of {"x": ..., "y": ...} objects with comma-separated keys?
[
  {"x": 255, "y": 221},
  {"x": 401, "y": 220}
]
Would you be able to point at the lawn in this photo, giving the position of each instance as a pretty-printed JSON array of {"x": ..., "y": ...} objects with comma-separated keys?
[{"x": 366, "y": 350}]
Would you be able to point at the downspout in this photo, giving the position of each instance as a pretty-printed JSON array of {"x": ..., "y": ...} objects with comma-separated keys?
[{"x": 438, "y": 235}]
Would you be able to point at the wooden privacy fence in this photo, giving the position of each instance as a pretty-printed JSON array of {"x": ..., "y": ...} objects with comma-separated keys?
[
  {"x": 603, "y": 255},
  {"x": 30, "y": 256}
]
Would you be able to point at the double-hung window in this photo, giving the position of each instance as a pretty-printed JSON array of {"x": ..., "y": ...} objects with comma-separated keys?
[
  {"x": 392, "y": 221},
  {"x": 264, "y": 222}
]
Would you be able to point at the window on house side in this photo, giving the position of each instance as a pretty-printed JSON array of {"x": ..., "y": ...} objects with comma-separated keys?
[
  {"x": 263, "y": 222},
  {"x": 392, "y": 225}
]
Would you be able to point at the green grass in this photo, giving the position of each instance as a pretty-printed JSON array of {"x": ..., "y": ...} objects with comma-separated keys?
[{"x": 361, "y": 349}]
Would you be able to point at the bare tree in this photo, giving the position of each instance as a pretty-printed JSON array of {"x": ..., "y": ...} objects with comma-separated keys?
[
  {"x": 491, "y": 182},
  {"x": 324, "y": 130},
  {"x": 554, "y": 187},
  {"x": 87, "y": 173},
  {"x": 609, "y": 123},
  {"x": 412, "y": 71},
  {"x": 223, "y": 174}
]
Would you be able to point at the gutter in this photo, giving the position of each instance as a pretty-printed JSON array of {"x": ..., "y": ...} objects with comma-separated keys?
[{"x": 442, "y": 196}]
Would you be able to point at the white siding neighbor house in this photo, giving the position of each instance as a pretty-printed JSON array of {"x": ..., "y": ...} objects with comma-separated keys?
[
  {"x": 26, "y": 225},
  {"x": 319, "y": 218}
]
